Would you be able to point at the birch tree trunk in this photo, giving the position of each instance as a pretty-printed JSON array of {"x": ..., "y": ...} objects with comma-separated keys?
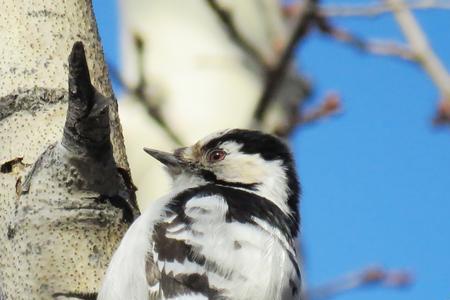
[{"x": 66, "y": 197}]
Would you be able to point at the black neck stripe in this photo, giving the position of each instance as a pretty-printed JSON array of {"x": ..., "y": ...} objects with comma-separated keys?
[{"x": 211, "y": 177}]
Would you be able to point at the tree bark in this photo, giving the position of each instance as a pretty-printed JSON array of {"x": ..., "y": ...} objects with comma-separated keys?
[{"x": 66, "y": 197}]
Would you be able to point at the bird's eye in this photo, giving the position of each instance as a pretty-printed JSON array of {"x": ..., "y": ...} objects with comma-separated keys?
[{"x": 216, "y": 155}]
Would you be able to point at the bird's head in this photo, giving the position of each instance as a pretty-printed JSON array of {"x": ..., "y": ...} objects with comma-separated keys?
[{"x": 251, "y": 160}]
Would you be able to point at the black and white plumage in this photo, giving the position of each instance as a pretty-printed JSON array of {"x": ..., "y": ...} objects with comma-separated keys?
[{"x": 227, "y": 229}]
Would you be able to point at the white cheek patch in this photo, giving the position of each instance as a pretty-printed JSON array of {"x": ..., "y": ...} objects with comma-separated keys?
[
  {"x": 242, "y": 168},
  {"x": 252, "y": 168},
  {"x": 239, "y": 167}
]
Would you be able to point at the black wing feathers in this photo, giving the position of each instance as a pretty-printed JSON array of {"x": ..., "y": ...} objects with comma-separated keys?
[{"x": 243, "y": 207}]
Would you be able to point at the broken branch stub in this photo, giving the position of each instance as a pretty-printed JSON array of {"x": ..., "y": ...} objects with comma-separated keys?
[
  {"x": 87, "y": 136},
  {"x": 87, "y": 127}
]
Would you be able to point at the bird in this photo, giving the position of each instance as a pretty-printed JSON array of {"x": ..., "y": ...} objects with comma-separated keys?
[{"x": 227, "y": 229}]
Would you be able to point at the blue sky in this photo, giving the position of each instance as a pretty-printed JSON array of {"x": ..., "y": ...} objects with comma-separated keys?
[{"x": 376, "y": 179}]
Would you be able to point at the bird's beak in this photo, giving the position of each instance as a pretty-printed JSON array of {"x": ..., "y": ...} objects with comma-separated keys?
[{"x": 172, "y": 162}]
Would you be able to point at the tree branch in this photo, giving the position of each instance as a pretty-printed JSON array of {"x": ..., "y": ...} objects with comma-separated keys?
[
  {"x": 418, "y": 43},
  {"x": 368, "y": 277},
  {"x": 239, "y": 40},
  {"x": 385, "y": 48},
  {"x": 417, "y": 50},
  {"x": 330, "y": 105},
  {"x": 276, "y": 75},
  {"x": 139, "y": 92},
  {"x": 371, "y": 10}
]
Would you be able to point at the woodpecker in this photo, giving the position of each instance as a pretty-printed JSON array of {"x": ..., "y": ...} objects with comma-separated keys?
[{"x": 226, "y": 230}]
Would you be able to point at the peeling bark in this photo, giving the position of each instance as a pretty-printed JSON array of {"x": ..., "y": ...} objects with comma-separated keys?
[{"x": 66, "y": 197}]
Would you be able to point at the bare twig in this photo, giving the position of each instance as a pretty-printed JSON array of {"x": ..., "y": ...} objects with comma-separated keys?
[
  {"x": 139, "y": 92},
  {"x": 443, "y": 113},
  {"x": 376, "y": 9},
  {"x": 235, "y": 35},
  {"x": 418, "y": 43},
  {"x": 417, "y": 49},
  {"x": 276, "y": 75},
  {"x": 115, "y": 75},
  {"x": 385, "y": 48},
  {"x": 331, "y": 105},
  {"x": 369, "y": 276}
]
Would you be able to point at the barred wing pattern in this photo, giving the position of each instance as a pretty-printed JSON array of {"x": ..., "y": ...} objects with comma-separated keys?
[{"x": 216, "y": 242}]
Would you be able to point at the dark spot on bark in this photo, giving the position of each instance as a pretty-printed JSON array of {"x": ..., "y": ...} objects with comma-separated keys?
[
  {"x": 75, "y": 295},
  {"x": 8, "y": 166},
  {"x": 126, "y": 176},
  {"x": 119, "y": 202},
  {"x": 95, "y": 255},
  {"x": 45, "y": 13},
  {"x": 11, "y": 232},
  {"x": 128, "y": 215}
]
